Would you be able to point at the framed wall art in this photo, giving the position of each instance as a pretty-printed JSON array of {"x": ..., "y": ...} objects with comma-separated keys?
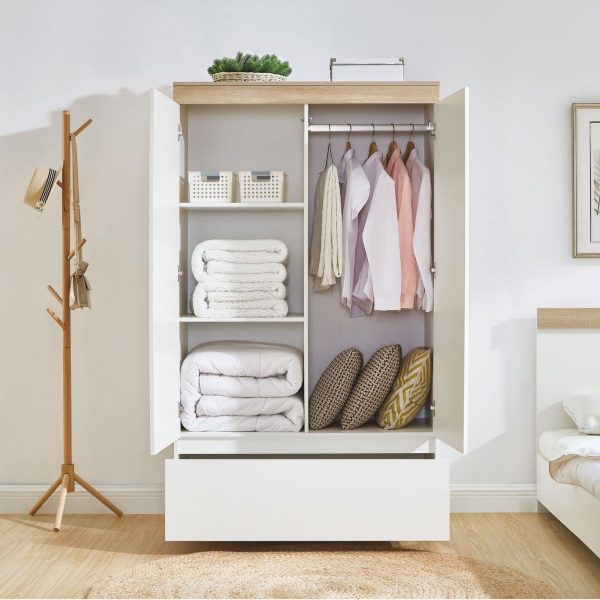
[{"x": 586, "y": 180}]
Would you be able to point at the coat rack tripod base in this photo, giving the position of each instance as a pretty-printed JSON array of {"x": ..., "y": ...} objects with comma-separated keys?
[{"x": 68, "y": 477}]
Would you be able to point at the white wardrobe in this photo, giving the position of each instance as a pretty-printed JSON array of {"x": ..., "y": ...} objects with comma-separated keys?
[{"x": 363, "y": 484}]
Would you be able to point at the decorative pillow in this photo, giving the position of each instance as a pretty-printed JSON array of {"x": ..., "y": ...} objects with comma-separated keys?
[
  {"x": 409, "y": 392},
  {"x": 333, "y": 388},
  {"x": 584, "y": 409},
  {"x": 371, "y": 387}
]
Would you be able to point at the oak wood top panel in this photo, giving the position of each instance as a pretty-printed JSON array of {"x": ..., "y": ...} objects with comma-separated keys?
[
  {"x": 568, "y": 318},
  {"x": 305, "y": 92}
]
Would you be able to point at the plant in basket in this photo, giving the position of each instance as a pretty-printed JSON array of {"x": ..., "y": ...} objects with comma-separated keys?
[{"x": 249, "y": 67}]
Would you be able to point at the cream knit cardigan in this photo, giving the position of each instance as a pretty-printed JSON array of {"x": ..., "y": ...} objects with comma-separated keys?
[{"x": 326, "y": 244}]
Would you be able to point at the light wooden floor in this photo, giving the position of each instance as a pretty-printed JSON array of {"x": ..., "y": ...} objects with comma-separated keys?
[{"x": 36, "y": 562}]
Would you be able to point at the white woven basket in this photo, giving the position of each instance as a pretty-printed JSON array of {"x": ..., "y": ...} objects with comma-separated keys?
[
  {"x": 220, "y": 186},
  {"x": 247, "y": 77},
  {"x": 262, "y": 186}
]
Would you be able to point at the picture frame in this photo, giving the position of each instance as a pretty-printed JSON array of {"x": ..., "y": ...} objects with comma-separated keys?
[{"x": 586, "y": 180}]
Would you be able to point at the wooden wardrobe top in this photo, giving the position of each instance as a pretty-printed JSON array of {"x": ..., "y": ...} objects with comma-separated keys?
[
  {"x": 568, "y": 318},
  {"x": 306, "y": 92}
]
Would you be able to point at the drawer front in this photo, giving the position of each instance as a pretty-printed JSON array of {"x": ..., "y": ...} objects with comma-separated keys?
[{"x": 304, "y": 499}]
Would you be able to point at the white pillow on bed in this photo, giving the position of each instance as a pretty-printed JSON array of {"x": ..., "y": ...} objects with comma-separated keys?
[{"x": 584, "y": 409}]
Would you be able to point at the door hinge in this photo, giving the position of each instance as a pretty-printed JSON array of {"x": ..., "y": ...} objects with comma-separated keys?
[
  {"x": 179, "y": 132},
  {"x": 433, "y": 269},
  {"x": 432, "y": 409},
  {"x": 179, "y": 273}
]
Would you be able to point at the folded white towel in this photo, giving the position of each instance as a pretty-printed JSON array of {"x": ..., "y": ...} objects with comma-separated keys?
[
  {"x": 241, "y": 251},
  {"x": 273, "y": 288},
  {"x": 204, "y": 271},
  {"x": 241, "y": 296},
  {"x": 244, "y": 278},
  {"x": 276, "y": 307}
]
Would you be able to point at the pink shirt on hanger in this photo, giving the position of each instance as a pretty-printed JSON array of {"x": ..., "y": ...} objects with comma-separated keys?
[{"x": 410, "y": 274}]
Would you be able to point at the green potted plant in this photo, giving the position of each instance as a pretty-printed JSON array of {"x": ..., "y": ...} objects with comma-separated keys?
[{"x": 249, "y": 67}]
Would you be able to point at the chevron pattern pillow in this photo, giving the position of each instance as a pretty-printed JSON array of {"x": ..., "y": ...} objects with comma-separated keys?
[
  {"x": 371, "y": 387},
  {"x": 409, "y": 392},
  {"x": 333, "y": 388}
]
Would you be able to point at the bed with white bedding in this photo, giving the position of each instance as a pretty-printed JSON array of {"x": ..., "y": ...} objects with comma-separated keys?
[
  {"x": 573, "y": 458},
  {"x": 568, "y": 459}
]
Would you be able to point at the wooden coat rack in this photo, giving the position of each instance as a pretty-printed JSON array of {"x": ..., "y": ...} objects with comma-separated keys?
[{"x": 68, "y": 477}]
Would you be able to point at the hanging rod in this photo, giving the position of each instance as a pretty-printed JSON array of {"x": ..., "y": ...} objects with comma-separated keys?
[{"x": 375, "y": 127}]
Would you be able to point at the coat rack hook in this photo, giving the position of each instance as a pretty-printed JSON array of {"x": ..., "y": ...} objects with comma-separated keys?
[
  {"x": 55, "y": 294},
  {"x": 81, "y": 128},
  {"x": 56, "y": 318}
]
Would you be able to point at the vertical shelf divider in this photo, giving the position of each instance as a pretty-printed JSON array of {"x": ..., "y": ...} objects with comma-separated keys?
[{"x": 306, "y": 261}]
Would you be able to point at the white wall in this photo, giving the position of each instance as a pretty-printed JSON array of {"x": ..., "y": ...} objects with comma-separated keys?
[{"x": 525, "y": 63}]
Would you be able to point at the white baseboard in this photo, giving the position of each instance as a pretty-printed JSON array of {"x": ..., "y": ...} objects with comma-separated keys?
[
  {"x": 493, "y": 498},
  {"x": 131, "y": 499},
  {"x": 149, "y": 499}
]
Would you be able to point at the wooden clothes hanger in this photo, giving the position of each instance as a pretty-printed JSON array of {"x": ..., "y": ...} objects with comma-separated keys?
[
  {"x": 410, "y": 146},
  {"x": 373, "y": 145},
  {"x": 393, "y": 146}
]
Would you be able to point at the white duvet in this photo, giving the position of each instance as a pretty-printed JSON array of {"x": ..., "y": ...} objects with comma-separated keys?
[
  {"x": 242, "y": 386},
  {"x": 573, "y": 458},
  {"x": 223, "y": 413}
]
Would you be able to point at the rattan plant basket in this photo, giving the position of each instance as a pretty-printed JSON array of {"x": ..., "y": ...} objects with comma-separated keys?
[{"x": 243, "y": 76}]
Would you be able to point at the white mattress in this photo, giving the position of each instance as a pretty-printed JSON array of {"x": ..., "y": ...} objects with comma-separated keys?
[{"x": 573, "y": 457}]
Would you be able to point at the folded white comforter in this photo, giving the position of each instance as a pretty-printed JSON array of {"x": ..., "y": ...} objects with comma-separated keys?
[
  {"x": 225, "y": 413},
  {"x": 245, "y": 377}
]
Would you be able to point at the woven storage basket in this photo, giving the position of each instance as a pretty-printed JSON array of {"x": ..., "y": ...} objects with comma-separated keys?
[
  {"x": 239, "y": 76},
  {"x": 212, "y": 187},
  {"x": 262, "y": 186}
]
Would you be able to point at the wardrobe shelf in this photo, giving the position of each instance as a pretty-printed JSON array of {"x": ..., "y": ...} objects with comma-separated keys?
[
  {"x": 242, "y": 206},
  {"x": 291, "y": 318},
  {"x": 417, "y": 427}
]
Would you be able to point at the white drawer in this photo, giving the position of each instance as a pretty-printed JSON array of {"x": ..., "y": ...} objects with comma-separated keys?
[{"x": 307, "y": 499}]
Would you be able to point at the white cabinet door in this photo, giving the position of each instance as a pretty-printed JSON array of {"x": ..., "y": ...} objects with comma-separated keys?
[
  {"x": 165, "y": 233},
  {"x": 451, "y": 257}
]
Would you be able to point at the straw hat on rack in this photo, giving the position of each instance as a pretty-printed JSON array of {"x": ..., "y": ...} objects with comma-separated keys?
[{"x": 42, "y": 183}]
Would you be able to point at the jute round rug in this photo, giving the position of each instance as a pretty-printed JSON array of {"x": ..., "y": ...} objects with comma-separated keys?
[{"x": 320, "y": 574}]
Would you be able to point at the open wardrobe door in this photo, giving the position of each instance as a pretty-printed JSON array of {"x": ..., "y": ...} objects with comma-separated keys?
[
  {"x": 451, "y": 284},
  {"x": 165, "y": 347}
]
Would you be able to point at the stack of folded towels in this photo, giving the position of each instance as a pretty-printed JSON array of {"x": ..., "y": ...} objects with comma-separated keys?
[
  {"x": 239, "y": 278},
  {"x": 242, "y": 386}
]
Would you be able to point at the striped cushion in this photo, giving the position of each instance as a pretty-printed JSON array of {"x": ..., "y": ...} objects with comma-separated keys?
[
  {"x": 409, "y": 392},
  {"x": 371, "y": 387}
]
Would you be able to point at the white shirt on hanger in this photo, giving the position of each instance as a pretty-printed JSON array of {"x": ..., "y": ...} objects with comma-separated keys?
[
  {"x": 420, "y": 180},
  {"x": 380, "y": 238},
  {"x": 355, "y": 188}
]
